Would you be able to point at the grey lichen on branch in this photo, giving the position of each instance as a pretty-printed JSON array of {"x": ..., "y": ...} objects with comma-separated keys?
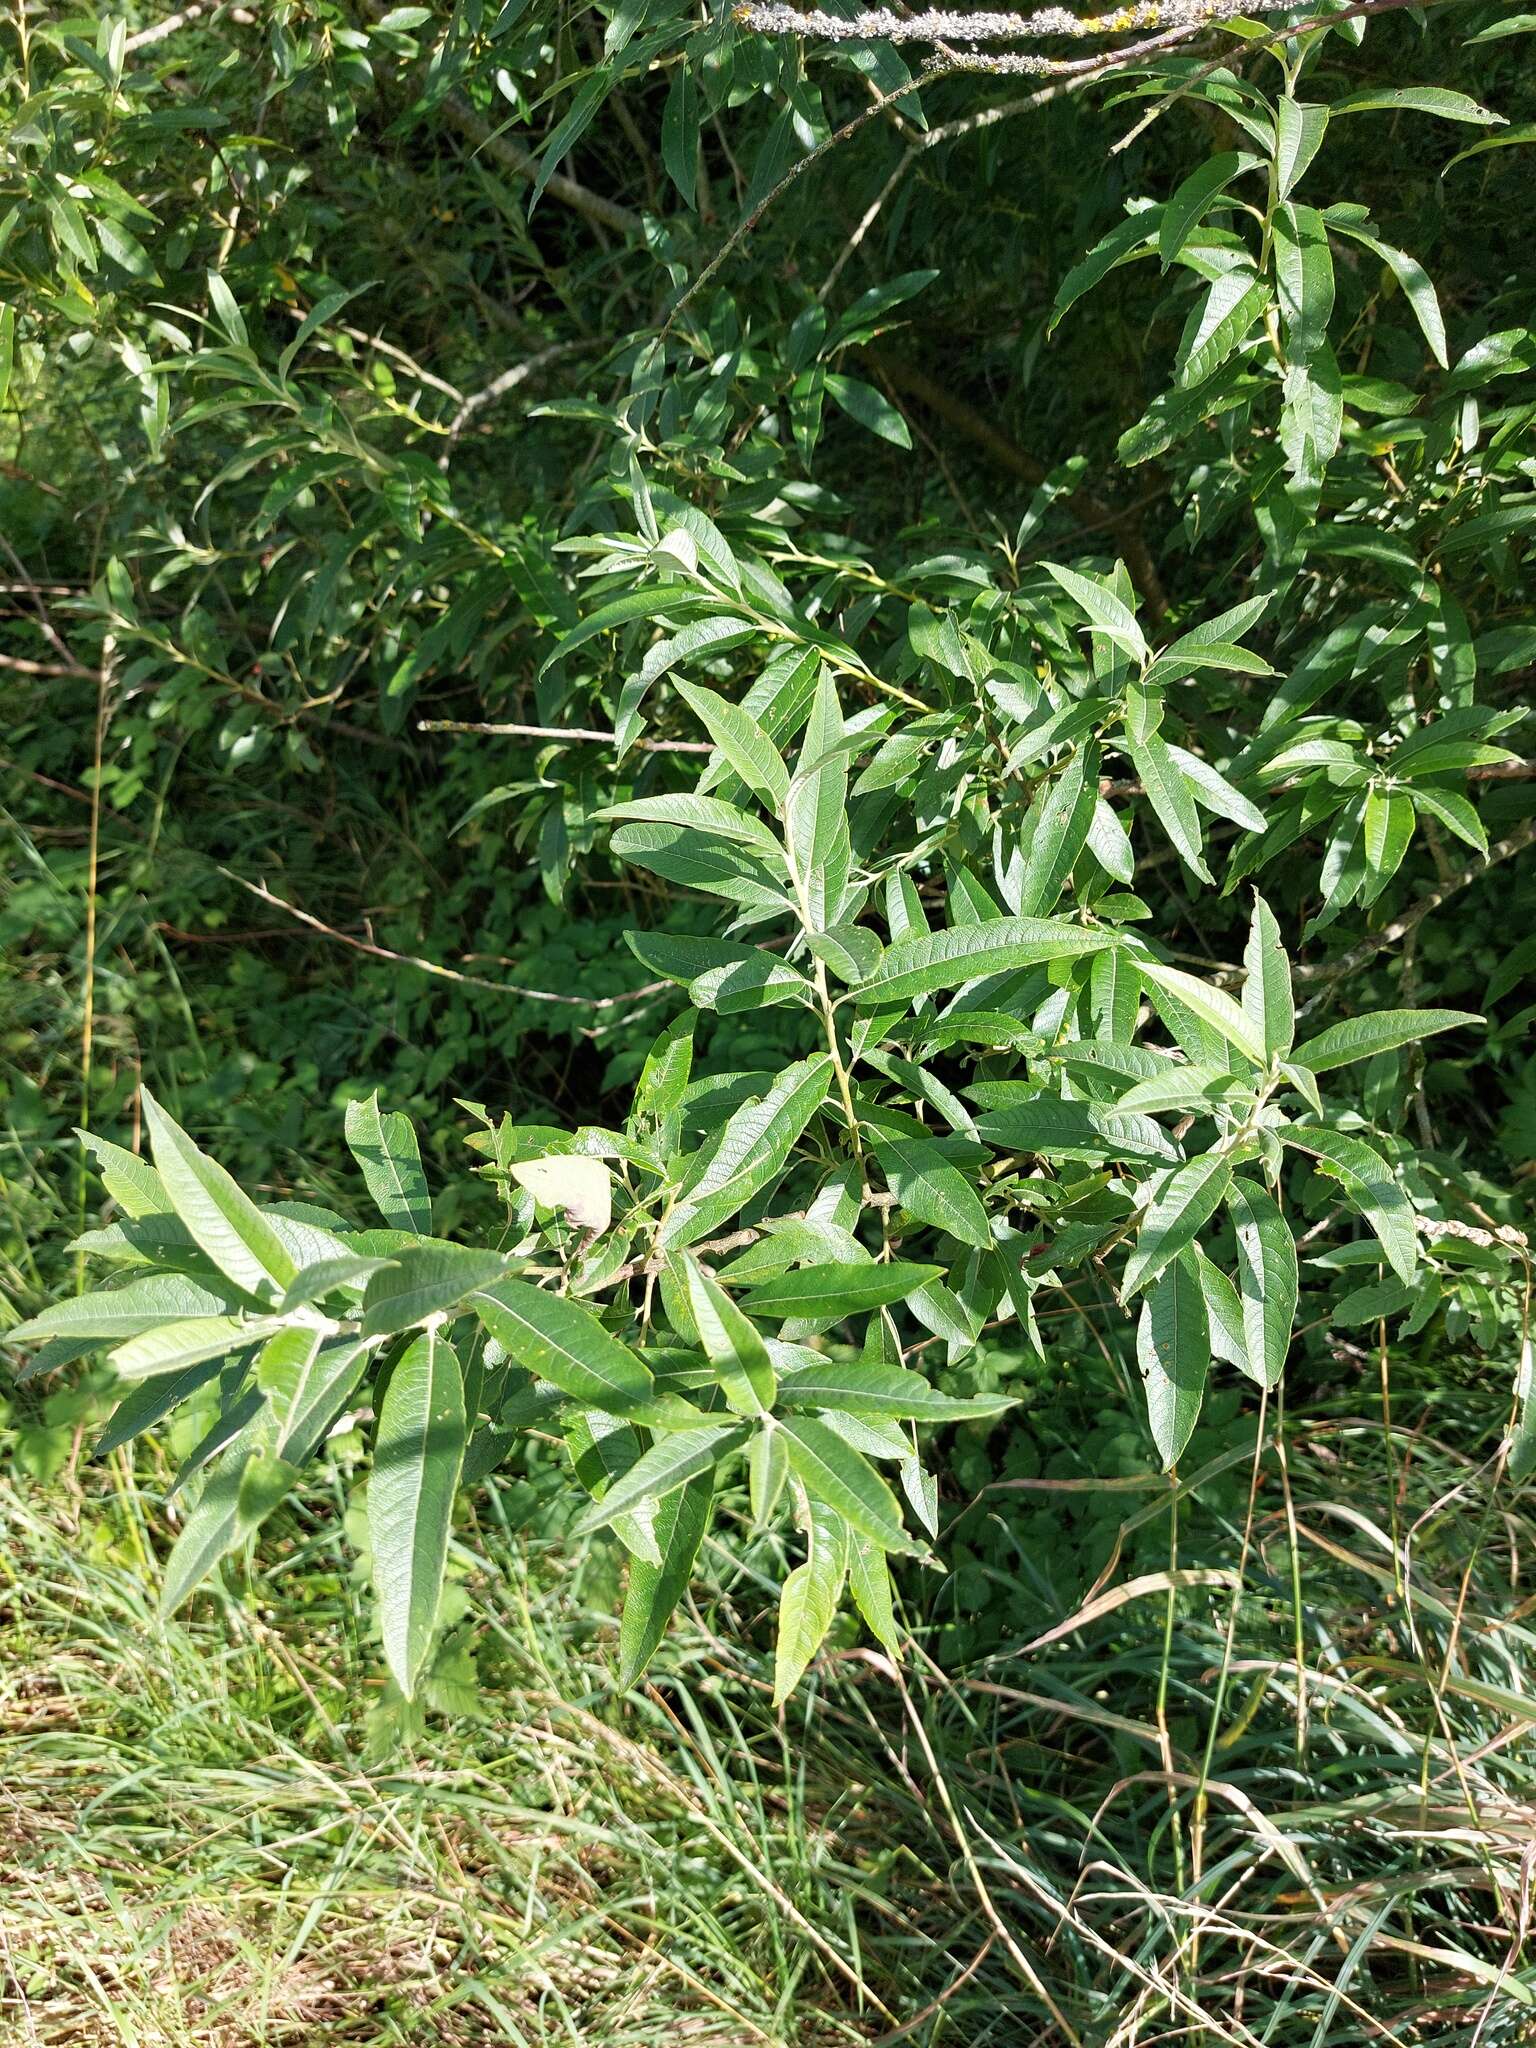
[{"x": 950, "y": 25}]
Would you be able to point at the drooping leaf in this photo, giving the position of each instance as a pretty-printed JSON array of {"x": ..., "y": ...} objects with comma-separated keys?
[
  {"x": 1173, "y": 1346},
  {"x": 1369, "y": 1183},
  {"x": 835, "y": 1474},
  {"x": 223, "y": 1220},
  {"x": 808, "y": 1601},
  {"x": 1361, "y": 1038},
  {"x": 1267, "y": 1277},
  {"x": 417, "y": 1456},
  {"x": 384, "y": 1146},
  {"x": 654, "y": 1590}
]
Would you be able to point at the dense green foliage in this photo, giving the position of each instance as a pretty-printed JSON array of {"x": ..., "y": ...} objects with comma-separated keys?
[{"x": 778, "y": 798}]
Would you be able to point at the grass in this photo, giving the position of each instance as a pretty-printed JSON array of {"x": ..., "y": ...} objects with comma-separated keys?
[{"x": 1161, "y": 1826}]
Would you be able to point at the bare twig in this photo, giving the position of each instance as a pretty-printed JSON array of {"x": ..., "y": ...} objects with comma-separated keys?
[
  {"x": 434, "y": 967},
  {"x": 498, "y": 387},
  {"x": 560, "y": 732},
  {"x": 1359, "y": 956}
]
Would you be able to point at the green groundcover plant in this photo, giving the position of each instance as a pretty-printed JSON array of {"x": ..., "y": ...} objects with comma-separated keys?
[{"x": 949, "y": 837}]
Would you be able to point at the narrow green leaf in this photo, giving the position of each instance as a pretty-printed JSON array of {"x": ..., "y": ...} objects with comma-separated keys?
[
  {"x": 1109, "y": 614},
  {"x": 869, "y": 1580},
  {"x": 869, "y": 407},
  {"x": 1367, "y": 1180},
  {"x": 751, "y": 1150},
  {"x": 669, "y": 1463},
  {"x": 120, "y": 1312},
  {"x": 932, "y": 1189},
  {"x": 889, "y": 1392},
  {"x": 224, "y": 1222},
  {"x": 654, "y": 1590},
  {"x": 309, "y": 1379},
  {"x": 1267, "y": 1000},
  {"x": 1416, "y": 99},
  {"x": 838, "y": 1290},
  {"x": 1190, "y": 202},
  {"x": 1184, "y": 1201},
  {"x": 417, "y": 1456},
  {"x": 1171, "y": 797},
  {"x": 934, "y": 960},
  {"x": 1414, "y": 281},
  {"x": 1267, "y": 1273},
  {"x": 558, "y": 1340},
  {"x": 171, "y": 1347},
  {"x": 1213, "y": 1006},
  {"x": 384, "y": 1146},
  {"x": 213, "y": 1526},
  {"x": 1173, "y": 1347},
  {"x": 808, "y": 1601},
  {"x": 835, "y": 1474},
  {"x": 1360, "y": 1038},
  {"x": 741, "y": 740},
  {"x": 425, "y": 1280},
  {"x": 732, "y": 1344},
  {"x": 1299, "y": 131}
]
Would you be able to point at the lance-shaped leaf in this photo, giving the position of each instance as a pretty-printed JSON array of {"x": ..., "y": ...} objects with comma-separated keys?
[
  {"x": 932, "y": 1189},
  {"x": 309, "y": 1379},
  {"x": 417, "y": 1456},
  {"x": 117, "y": 1313},
  {"x": 145, "y": 1405},
  {"x": 752, "y": 1149},
  {"x": 559, "y": 1340},
  {"x": 919, "y": 965},
  {"x": 808, "y": 1602},
  {"x": 1173, "y": 1347},
  {"x": 741, "y": 741},
  {"x": 240, "y": 1491},
  {"x": 869, "y": 1581},
  {"x": 1171, "y": 796},
  {"x": 669, "y": 1463},
  {"x": 1109, "y": 614},
  {"x": 172, "y": 1347},
  {"x": 1213, "y": 1006},
  {"x": 732, "y": 1344},
  {"x": 1367, "y": 1180},
  {"x": 384, "y": 1146},
  {"x": 721, "y": 974},
  {"x": 1267, "y": 1000},
  {"x": 224, "y": 1222},
  {"x": 1361, "y": 1038},
  {"x": 816, "y": 812},
  {"x": 888, "y": 1392},
  {"x": 767, "y": 1471},
  {"x": 131, "y": 1182},
  {"x": 832, "y": 1472},
  {"x": 836, "y": 1289},
  {"x": 1056, "y": 830},
  {"x": 425, "y": 1280},
  {"x": 1267, "y": 1278},
  {"x": 654, "y": 1590},
  {"x": 1184, "y": 1201}
]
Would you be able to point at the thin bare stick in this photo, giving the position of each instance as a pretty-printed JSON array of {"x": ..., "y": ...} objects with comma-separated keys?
[
  {"x": 560, "y": 732},
  {"x": 1357, "y": 957},
  {"x": 433, "y": 967}
]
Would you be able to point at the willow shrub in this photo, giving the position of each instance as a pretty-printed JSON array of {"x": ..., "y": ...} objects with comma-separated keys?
[{"x": 915, "y": 830}]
